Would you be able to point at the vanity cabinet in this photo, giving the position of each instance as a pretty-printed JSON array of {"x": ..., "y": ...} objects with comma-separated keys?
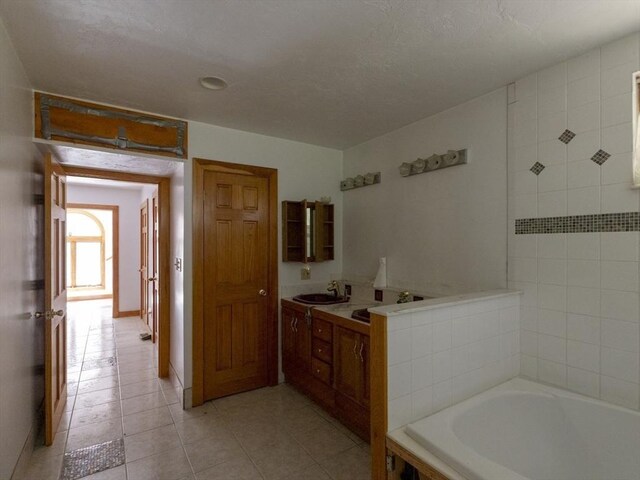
[
  {"x": 328, "y": 360},
  {"x": 307, "y": 231}
]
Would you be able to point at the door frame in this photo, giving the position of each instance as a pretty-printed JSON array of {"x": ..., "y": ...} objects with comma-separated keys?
[
  {"x": 200, "y": 166},
  {"x": 115, "y": 264},
  {"x": 164, "y": 211},
  {"x": 144, "y": 254}
]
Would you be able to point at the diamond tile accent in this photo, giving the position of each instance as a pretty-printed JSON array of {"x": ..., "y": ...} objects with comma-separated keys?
[
  {"x": 604, "y": 222},
  {"x": 566, "y": 136},
  {"x": 600, "y": 157},
  {"x": 537, "y": 168},
  {"x": 89, "y": 460}
]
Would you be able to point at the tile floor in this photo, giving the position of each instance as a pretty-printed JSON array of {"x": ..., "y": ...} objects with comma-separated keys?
[{"x": 272, "y": 433}]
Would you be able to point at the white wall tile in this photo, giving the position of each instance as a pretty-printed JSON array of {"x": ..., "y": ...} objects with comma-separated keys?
[
  {"x": 620, "y": 52},
  {"x": 583, "y": 91},
  {"x": 584, "y": 65},
  {"x": 617, "y": 80},
  {"x": 523, "y": 182},
  {"x": 584, "y": 118},
  {"x": 552, "y": 76},
  {"x": 525, "y": 132},
  {"x": 619, "y": 392},
  {"x": 526, "y": 86},
  {"x": 585, "y": 246},
  {"x": 583, "y": 328},
  {"x": 553, "y": 178},
  {"x": 552, "y": 152},
  {"x": 522, "y": 246},
  {"x": 421, "y": 341},
  {"x": 552, "y": 204},
  {"x": 553, "y": 297},
  {"x": 442, "y": 336},
  {"x": 399, "y": 346},
  {"x": 616, "y": 110},
  {"x": 619, "y": 305},
  {"x": 620, "y": 276},
  {"x": 529, "y": 318},
  {"x": 441, "y": 395},
  {"x": 583, "y": 173},
  {"x": 529, "y": 292},
  {"x": 422, "y": 373},
  {"x": 422, "y": 403},
  {"x": 621, "y": 335},
  {"x": 552, "y": 348},
  {"x": 523, "y": 158},
  {"x": 524, "y": 206},
  {"x": 584, "y": 382},
  {"x": 510, "y": 319},
  {"x": 619, "y": 197},
  {"x": 552, "y": 100},
  {"x": 529, "y": 366},
  {"x": 552, "y": 372},
  {"x": 399, "y": 412},
  {"x": 399, "y": 380},
  {"x": 551, "y": 126},
  {"x": 552, "y": 246},
  {"x": 617, "y": 139},
  {"x": 552, "y": 322},
  {"x": 583, "y": 201},
  {"x": 583, "y": 145},
  {"x": 619, "y": 246},
  {"x": 583, "y": 355},
  {"x": 529, "y": 343},
  {"x": 620, "y": 364},
  {"x": 583, "y": 301},
  {"x": 522, "y": 269},
  {"x": 442, "y": 366},
  {"x": 618, "y": 169},
  {"x": 583, "y": 273}
]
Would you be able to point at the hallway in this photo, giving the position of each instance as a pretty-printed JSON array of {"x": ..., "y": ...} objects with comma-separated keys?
[{"x": 122, "y": 422}]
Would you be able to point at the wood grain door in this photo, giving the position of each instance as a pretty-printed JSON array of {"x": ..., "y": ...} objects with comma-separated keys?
[
  {"x": 154, "y": 283},
  {"x": 235, "y": 282},
  {"x": 144, "y": 261},
  {"x": 54, "y": 315},
  {"x": 346, "y": 362}
]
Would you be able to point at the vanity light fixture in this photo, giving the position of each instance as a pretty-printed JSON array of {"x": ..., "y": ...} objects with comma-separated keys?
[
  {"x": 213, "y": 83},
  {"x": 434, "y": 162}
]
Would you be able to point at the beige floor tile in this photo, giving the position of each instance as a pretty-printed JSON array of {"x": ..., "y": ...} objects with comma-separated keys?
[
  {"x": 98, "y": 383},
  {"x": 98, "y": 373},
  {"x": 354, "y": 464},
  {"x": 239, "y": 468},
  {"x": 138, "y": 376},
  {"x": 147, "y": 420},
  {"x": 95, "y": 414},
  {"x": 200, "y": 428},
  {"x": 143, "y": 402},
  {"x": 134, "y": 367},
  {"x": 323, "y": 442},
  {"x": 90, "y": 399},
  {"x": 45, "y": 469},
  {"x": 180, "y": 415},
  {"x": 140, "y": 388},
  {"x": 117, "y": 473},
  {"x": 65, "y": 420},
  {"x": 279, "y": 460},
  {"x": 316, "y": 472},
  {"x": 93, "y": 434},
  {"x": 151, "y": 442},
  {"x": 169, "y": 465},
  {"x": 213, "y": 450},
  {"x": 300, "y": 419}
]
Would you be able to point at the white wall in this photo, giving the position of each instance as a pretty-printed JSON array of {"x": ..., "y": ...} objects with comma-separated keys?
[
  {"x": 442, "y": 232},
  {"x": 178, "y": 315},
  {"x": 21, "y": 253},
  {"x": 304, "y": 171},
  {"x": 128, "y": 201},
  {"x": 580, "y": 315}
]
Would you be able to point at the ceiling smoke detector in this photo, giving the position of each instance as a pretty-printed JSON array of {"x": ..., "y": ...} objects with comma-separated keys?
[{"x": 213, "y": 83}]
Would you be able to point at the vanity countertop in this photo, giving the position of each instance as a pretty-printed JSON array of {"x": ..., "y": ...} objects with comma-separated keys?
[{"x": 341, "y": 309}]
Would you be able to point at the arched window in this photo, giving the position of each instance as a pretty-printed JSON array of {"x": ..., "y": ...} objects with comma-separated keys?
[{"x": 85, "y": 250}]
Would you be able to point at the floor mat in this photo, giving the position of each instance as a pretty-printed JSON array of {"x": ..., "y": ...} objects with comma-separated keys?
[{"x": 96, "y": 458}]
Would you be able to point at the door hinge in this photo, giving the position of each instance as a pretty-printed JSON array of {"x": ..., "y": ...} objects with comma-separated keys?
[{"x": 390, "y": 461}]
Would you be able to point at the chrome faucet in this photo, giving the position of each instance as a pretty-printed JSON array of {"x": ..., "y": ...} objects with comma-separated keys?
[
  {"x": 403, "y": 297},
  {"x": 334, "y": 287}
]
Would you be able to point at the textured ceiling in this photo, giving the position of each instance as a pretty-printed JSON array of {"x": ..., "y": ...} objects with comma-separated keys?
[
  {"x": 99, "y": 182},
  {"x": 326, "y": 72}
]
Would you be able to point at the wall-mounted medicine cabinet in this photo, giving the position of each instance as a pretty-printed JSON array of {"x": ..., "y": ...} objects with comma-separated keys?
[{"x": 307, "y": 231}]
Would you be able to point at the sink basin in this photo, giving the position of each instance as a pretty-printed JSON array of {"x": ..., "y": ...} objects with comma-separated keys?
[
  {"x": 320, "y": 299},
  {"x": 362, "y": 314}
]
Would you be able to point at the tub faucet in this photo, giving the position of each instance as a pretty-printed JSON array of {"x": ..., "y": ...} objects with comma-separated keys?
[
  {"x": 403, "y": 297},
  {"x": 334, "y": 287}
]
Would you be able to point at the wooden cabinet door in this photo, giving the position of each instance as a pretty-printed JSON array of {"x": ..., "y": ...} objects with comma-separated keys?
[
  {"x": 302, "y": 328},
  {"x": 365, "y": 389},
  {"x": 346, "y": 363},
  {"x": 288, "y": 339}
]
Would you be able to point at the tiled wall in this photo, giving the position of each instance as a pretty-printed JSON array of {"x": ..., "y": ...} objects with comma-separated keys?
[
  {"x": 580, "y": 309},
  {"x": 442, "y": 356}
]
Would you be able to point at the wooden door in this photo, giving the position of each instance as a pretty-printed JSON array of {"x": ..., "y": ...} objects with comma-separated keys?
[
  {"x": 346, "y": 362},
  {"x": 288, "y": 339},
  {"x": 154, "y": 283},
  {"x": 54, "y": 315},
  {"x": 144, "y": 261},
  {"x": 235, "y": 282}
]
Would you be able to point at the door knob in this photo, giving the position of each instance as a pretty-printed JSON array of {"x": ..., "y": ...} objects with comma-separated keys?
[
  {"x": 262, "y": 292},
  {"x": 58, "y": 313},
  {"x": 50, "y": 314},
  {"x": 152, "y": 279}
]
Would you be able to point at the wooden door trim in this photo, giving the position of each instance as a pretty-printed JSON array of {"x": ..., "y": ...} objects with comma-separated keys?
[
  {"x": 164, "y": 244},
  {"x": 144, "y": 252},
  {"x": 201, "y": 165},
  {"x": 115, "y": 241},
  {"x": 378, "y": 394}
]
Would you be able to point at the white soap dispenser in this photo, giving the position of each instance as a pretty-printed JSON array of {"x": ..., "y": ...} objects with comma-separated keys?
[{"x": 381, "y": 276}]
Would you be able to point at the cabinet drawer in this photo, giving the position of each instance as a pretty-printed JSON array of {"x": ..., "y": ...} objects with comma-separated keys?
[
  {"x": 322, "y": 350},
  {"x": 322, "y": 330},
  {"x": 321, "y": 370}
]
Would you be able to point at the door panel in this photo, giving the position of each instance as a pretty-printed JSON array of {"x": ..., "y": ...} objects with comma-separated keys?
[
  {"x": 346, "y": 363},
  {"x": 154, "y": 282},
  {"x": 144, "y": 261},
  {"x": 235, "y": 242},
  {"x": 55, "y": 307}
]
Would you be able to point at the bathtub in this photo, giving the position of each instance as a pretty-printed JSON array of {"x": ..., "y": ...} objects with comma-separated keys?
[{"x": 524, "y": 430}]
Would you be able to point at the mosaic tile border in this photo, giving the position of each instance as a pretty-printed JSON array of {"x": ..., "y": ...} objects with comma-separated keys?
[
  {"x": 96, "y": 458},
  {"x": 603, "y": 222}
]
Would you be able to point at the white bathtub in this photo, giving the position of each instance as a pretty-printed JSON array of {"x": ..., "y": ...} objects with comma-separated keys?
[{"x": 524, "y": 430}]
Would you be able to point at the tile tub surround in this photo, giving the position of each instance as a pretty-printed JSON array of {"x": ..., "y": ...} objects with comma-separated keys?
[
  {"x": 442, "y": 351},
  {"x": 576, "y": 255}
]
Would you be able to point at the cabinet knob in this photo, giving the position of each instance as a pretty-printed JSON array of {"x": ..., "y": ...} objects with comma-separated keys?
[
  {"x": 262, "y": 292},
  {"x": 317, "y": 370}
]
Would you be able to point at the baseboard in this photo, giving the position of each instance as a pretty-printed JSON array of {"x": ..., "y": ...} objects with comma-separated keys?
[
  {"x": 176, "y": 384},
  {"x": 22, "y": 464},
  {"x": 127, "y": 313}
]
